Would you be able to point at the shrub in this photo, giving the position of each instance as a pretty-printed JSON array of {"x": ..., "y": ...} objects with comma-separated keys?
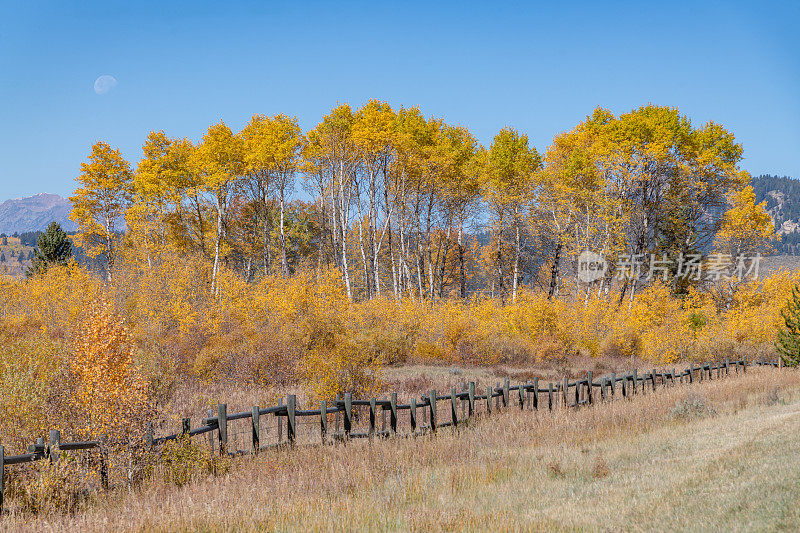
[
  {"x": 182, "y": 461},
  {"x": 692, "y": 406},
  {"x": 45, "y": 487}
]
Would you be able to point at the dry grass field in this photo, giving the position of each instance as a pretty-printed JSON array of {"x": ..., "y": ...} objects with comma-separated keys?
[{"x": 720, "y": 455}]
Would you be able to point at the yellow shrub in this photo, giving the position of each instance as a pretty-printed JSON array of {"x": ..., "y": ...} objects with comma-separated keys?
[{"x": 109, "y": 392}]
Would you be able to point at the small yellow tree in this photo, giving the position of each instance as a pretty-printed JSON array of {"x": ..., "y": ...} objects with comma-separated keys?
[
  {"x": 746, "y": 227},
  {"x": 110, "y": 395}
]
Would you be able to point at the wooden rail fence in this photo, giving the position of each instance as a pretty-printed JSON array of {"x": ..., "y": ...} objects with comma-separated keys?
[{"x": 353, "y": 418}]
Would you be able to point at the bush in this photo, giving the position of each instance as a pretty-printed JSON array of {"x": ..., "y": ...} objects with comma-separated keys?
[
  {"x": 44, "y": 487},
  {"x": 182, "y": 461},
  {"x": 692, "y": 406}
]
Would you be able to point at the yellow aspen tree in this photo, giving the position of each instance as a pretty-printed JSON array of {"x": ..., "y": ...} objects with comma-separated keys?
[
  {"x": 330, "y": 155},
  {"x": 509, "y": 187},
  {"x": 271, "y": 156},
  {"x": 100, "y": 201},
  {"x": 218, "y": 161},
  {"x": 374, "y": 134},
  {"x": 746, "y": 227}
]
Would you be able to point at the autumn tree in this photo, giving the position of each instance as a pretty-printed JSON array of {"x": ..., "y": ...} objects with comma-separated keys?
[
  {"x": 509, "y": 186},
  {"x": 788, "y": 342},
  {"x": 100, "y": 201},
  {"x": 578, "y": 206},
  {"x": 271, "y": 157},
  {"x": 219, "y": 164},
  {"x": 373, "y": 135},
  {"x": 746, "y": 227},
  {"x": 329, "y": 163}
]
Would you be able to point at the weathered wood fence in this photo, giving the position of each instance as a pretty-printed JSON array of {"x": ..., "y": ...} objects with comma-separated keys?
[{"x": 358, "y": 418}]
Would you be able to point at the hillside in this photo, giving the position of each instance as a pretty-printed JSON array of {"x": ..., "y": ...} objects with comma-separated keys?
[
  {"x": 782, "y": 195},
  {"x": 35, "y": 213}
]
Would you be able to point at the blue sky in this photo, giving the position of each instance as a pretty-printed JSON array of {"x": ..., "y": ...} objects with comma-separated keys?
[{"x": 541, "y": 68}]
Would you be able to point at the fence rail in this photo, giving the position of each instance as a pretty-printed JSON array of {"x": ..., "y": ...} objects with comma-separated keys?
[{"x": 350, "y": 421}]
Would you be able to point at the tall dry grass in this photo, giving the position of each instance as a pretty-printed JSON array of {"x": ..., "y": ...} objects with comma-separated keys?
[{"x": 717, "y": 455}]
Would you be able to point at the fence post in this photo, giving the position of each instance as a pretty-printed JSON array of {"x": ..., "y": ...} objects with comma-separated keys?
[
  {"x": 323, "y": 421},
  {"x": 413, "y": 416},
  {"x": 521, "y": 396},
  {"x": 654, "y": 379},
  {"x": 691, "y": 373},
  {"x": 550, "y": 397},
  {"x": 489, "y": 398},
  {"x": 613, "y": 383},
  {"x": 210, "y": 435},
  {"x": 589, "y": 380},
  {"x": 55, "y": 445},
  {"x": 636, "y": 381},
  {"x": 255, "y": 424},
  {"x": 471, "y": 404},
  {"x": 280, "y": 422},
  {"x": 453, "y": 408},
  {"x": 744, "y": 364},
  {"x": 536, "y": 393},
  {"x": 603, "y": 389},
  {"x": 393, "y": 413},
  {"x": 336, "y": 417},
  {"x": 222, "y": 421},
  {"x": 348, "y": 414},
  {"x": 2, "y": 476},
  {"x": 371, "y": 418},
  {"x": 104, "y": 467},
  {"x": 291, "y": 427},
  {"x": 464, "y": 401},
  {"x": 505, "y": 392},
  {"x": 564, "y": 392},
  {"x": 148, "y": 435},
  {"x": 383, "y": 416},
  {"x": 432, "y": 405},
  {"x": 186, "y": 426}
]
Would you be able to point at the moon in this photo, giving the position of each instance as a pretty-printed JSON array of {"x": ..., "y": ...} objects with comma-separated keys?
[{"x": 104, "y": 83}]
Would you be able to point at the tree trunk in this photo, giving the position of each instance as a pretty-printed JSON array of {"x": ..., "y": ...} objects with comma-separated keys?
[
  {"x": 217, "y": 243},
  {"x": 516, "y": 264},
  {"x": 463, "y": 280},
  {"x": 284, "y": 262},
  {"x": 553, "y": 290}
]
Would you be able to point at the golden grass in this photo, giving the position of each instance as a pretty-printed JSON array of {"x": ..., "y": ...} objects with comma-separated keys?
[{"x": 725, "y": 460}]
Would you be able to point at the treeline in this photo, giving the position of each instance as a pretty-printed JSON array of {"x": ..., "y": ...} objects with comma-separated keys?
[{"x": 400, "y": 200}]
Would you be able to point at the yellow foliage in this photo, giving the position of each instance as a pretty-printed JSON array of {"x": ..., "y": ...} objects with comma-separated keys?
[{"x": 109, "y": 392}]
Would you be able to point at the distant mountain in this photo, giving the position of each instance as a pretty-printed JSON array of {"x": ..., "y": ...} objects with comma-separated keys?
[
  {"x": 35, "y": 213},
  {"x": 782, "y": 195}
]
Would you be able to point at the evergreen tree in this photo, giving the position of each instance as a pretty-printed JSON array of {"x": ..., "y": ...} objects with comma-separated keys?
[
  {"x": 788, "y": 343},
  {"x": 52, "y": 247}
]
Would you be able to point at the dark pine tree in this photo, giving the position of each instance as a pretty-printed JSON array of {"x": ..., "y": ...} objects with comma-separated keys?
[
  {"x": 52, "y": 248},
  {"x": 788, "y": 343}
]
